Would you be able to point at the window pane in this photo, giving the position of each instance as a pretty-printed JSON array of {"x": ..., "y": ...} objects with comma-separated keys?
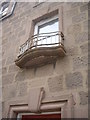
[
  {"x": 49, "y": 27},
  {"x": 46, "y": 33}
]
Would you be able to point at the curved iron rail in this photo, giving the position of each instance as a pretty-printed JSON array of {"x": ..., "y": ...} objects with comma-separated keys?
[{"x": 42, "y": 40}]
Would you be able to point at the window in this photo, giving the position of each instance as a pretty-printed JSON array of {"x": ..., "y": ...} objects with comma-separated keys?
[
  {"x": 6, "y": 9},
  {"x": 46, "y": 32}
]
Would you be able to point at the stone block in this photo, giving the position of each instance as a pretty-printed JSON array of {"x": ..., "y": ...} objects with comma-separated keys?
[
  {"x": 4, "y": 70},
  {"x": 84, "y": 7},
  {"x": 13, "y": 68},
  {"x": 83, "y": 98},
  {"x": 29, "y": 74},
  {"x": 9, "y": 92},
  {"x": 10, "y": 60},
  {"x": 37, "y": 82},
  {"x": 0, "y": 71},
  {"x": 63, "y": 65},
  {"x": 3, "y": 62},
  {"x": 74, "y": 80},
  {"x": 71, "y": 12},
  {"x": 44, "y": 71},
  {"x": 20, "y": 76},
  {"x": 55, "y": 84},
  {"x": 80, "y": 62},
  {"x": 8, "y": 79},
  {"x": 74, "y": 29},
  {"x": 79, "y": 18},
  {"x": 89, "y": 14},
  {"x": 81, "y": 37},
  {"x": 21, "y": 33},
  {"x": 14, "y": 19},
  {"x": 72, "y": 51},
  {"x": 88, "y": 5},
  {"x": 70, "y": 40},
  {"x": 0, "y": 92},
  {"x": 86, "y": 25},
  {"x": 76, "y": 4},
  {"x": 84, "y": 48},
  {"x": 22, "y": 89}
]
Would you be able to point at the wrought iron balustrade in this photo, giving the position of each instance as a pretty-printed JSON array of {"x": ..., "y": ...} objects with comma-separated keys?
[{"x": 42, "y": 40}]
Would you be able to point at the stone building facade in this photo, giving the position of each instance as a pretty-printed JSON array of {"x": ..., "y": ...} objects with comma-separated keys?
[{"x": 68, "y": 75}]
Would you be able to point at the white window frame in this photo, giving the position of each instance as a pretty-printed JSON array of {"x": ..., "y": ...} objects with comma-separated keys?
[
  {"x": 9, "y": 10},
  {"x": 45, "y": 21},
  {"x": 46, "y": 41}
]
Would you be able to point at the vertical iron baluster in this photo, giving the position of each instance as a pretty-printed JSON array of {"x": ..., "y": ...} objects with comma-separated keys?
[
  {"x": 60, "y": 39},
  {"x": 51, "y": 39}
]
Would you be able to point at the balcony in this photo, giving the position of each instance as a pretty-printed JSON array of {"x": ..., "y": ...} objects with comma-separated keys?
[{"x": 40, "y": 50}]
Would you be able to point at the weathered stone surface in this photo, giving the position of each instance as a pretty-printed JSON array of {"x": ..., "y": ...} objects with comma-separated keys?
[
  {"x": 73, "y": 29},
  {"x": 3, "y": 62},
  {"x": 86, "y": 25},
  {"x": 29, "y": 74},
  {"x": 76, "y": 4},
  {"x": 81, "y": 37},
  {"x": 84, "y": 48},
  {"x": 74, "y": 80},
  {"x": 71, "y": 12},
  {"x": 10, "y": 60},
  {"x": 89, "y": 28},
  {"x": 63, "y": 65},
  {"x": 83, "y": 98},
  {"x": 88, "y": 5},
  {"x": 13, "y": 68},
  {"x": 0, "y": 71},
  {"x": 20, "y": 76},
  {"x": 80, "y": 62},
  {"x": 37, "y": 82},
  {"x": 87, "y": 79},
  {"x": 8, "y": 78},
  {"x": 73, "y": 50},
  {"x": 55, "y": 84},
  {"x": 22, "y": 89},
  {"x": 4, "y": 70},
  {"x": 0, "y": 92},
  {"x": 44, "y": 71},
  {"x": 21, "y": 33},
  {"x": 84, "y": 7},
  {"x": 79, "y": 18},
  {"x": 9, "y": 92}
]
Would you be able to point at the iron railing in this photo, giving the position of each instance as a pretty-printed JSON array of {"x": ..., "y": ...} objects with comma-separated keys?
[{"x": 42, "y": 40}]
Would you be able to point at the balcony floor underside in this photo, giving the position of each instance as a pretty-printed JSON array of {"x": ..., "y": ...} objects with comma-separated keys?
[{"x": 39, "y": 56}]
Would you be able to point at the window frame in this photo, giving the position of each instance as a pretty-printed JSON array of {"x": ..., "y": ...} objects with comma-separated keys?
[
  {"x": 9, "y": 11},
  {"x": 50, "y": 38},
  {"x": 45, "y": 21}
]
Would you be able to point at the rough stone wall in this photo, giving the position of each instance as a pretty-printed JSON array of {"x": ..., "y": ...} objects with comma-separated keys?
[{"x": 69, "y": 75}]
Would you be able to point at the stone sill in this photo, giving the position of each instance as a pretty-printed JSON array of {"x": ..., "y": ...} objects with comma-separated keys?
[{"x": 40, "y": 56}]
